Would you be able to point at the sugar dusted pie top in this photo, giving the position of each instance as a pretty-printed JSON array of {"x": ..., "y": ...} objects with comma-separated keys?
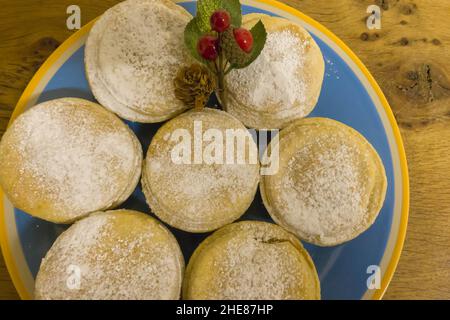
[
  {"x": 199, "y": 197},
  {"x": 330, "y": 185},
  {"x": 112, "y": 255},
  {"x": 132, "y": 54},
  {"x": 251, "y": 260},
  {"x": 284, "y": 83},
  {"x": 65, "y": 158},
  {"x": 273, "y": 77}
]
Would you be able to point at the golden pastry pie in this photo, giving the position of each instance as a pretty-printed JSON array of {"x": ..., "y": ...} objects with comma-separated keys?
[
  {"x": 284, "y": 83},
  {"x": 132, "y": 55},
  {"x": 251, "y": 260},
  {"x": 330, "y": 185},
  {"x": 65, "y": 158},
  {"x": 195, "y": 177},
  {"x": 112, "y": 255}
]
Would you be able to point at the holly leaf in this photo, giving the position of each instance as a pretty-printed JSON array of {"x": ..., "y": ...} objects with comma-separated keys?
[
  {"x": 192, "y": 34},
  {"x": 259, "y": 40},
  {"x": 234, "y": 9},
  {"x": 205, "y": 8}
]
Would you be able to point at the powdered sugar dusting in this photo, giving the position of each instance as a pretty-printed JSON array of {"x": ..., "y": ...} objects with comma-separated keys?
[
  {"x": 254, "y": 261},
  {"x": 192, "y": 196},
  {"x": 274, "y": 77},
  {"x": 139, "y": 50},
  {"x": 203, "y": 190},
  {"x": 323, "y": 198},
  {"x": 143, "y": 264},
  {"x": 77, "y": 158},
  {"x": 254, "y": 270}
]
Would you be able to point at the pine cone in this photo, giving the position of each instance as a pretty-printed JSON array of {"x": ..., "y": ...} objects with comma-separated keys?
[
  {"x": 232, "y": 51},
  {"x": 194, "y": 85}
]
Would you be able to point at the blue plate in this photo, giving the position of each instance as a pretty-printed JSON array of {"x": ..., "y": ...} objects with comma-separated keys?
[{"x": 361, "y": 268}]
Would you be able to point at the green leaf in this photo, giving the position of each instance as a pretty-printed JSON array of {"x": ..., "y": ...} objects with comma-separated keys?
[
  {"x": 205, "y": 8},
  {"x": 192, "y": 34},
  {"x": 259, "y": 40},
  {"x": 234, "y": 9}
]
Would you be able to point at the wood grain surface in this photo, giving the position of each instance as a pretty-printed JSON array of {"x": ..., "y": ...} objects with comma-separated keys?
[{"x": 408, "y": 57}]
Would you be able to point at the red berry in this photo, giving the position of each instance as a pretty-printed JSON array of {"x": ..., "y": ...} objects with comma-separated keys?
[
  {"x": 208, "y": 47},
  {"x": 220, "y": 20},
  {"x": 244, "y": 38}
]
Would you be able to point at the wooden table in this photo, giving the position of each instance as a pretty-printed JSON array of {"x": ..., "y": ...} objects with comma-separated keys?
[{"x": 408, "y": 57}]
